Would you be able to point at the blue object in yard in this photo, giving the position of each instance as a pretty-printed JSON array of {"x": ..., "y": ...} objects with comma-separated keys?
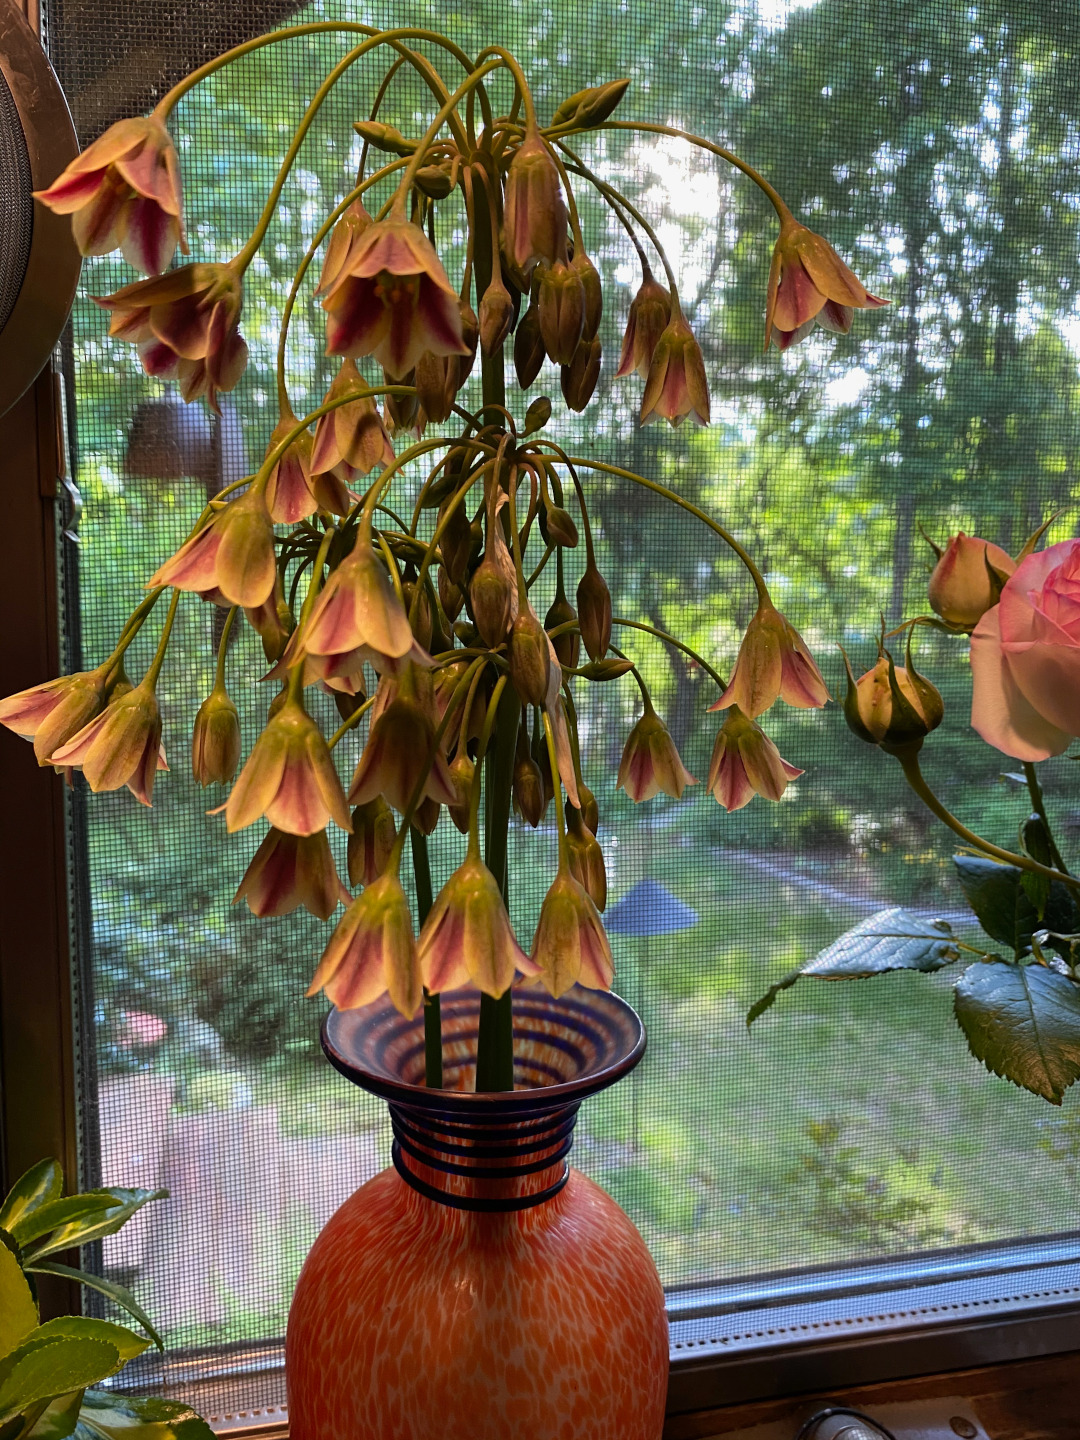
[{"x": 649, "y": 909}]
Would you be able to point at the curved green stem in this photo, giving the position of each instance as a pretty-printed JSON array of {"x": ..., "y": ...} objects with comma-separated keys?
[
  {"x": 351, "y": 723},
  {"x": 1039, "y": 806},
  {"x": 914, "y": 777},
  {"x": 670, "y": 640},
  {"x": 560, "y": 816},
  {"x": 445, "y": 111},
  {"x": 519, "y": 80},
  {"x": 151, "y": 676},
  {"x": 223, "y": 645}
]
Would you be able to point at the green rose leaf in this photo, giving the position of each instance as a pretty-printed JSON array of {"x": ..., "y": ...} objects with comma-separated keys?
[
  {"x": 41, "y": 1183},
  {"x": 138, "y": 1417},
  {"x": 41, "y": 1370},
  {"x": 1023, "y": 1023},
  {"x": 1003, "y": 906},
  {"x": 116, "y": 1293},
  {"x": 892, "y": 939},
  {"x": 93, "y": 1215},
  {"x": 18, "y": 1313},
  {"x": 60, "y": 1419}
]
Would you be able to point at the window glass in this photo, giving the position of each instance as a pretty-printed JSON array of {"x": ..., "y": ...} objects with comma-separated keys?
[{"x": 937, "y": 145}]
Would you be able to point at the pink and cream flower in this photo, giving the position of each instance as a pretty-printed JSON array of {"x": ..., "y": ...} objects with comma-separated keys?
[
  {"x": 773, "y": 664},
  {"x": 123, "y": 192},
  {"x": 676, "y": 386},
  {"x": 650, "y": 311},
  {"x": 351, "y": 439},
  {"x": 467, "y": 938},
  {"x": 51, "y": 713},
  {"x": 810, "y": 285},
  {"x": 288, "y": 871},
  {"x": 650, "y": 761},
  {"x": 570, "y": 946},
  {"x": 745, "y": 763},
  {"x": 289, "y": 777},
  {"x": 358, "y": 607},
  {"x": 231, "y": 558},
  {"x": 121, "y": 746},
  {"x": 372, "y": 951},
  {"x": 401, "y": 755}
]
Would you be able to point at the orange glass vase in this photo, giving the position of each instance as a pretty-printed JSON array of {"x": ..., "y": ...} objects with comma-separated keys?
[{"x": 479, "y": 1288}]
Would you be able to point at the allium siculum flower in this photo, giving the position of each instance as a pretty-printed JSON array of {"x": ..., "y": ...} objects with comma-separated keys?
[
  {"x": 343, "y": 242},
  {"x": 372, "y": 951},
  {"x": 650, "y": 761},
  {"x": 809, "y": 284},
  {"x": 586, "y": 858},
  {"x": 51, "y": 713},
  {"x": 399, "y": 754},
  {"x": 124, "y": 191},
  {"x": 358, "y": 607},
  {"x": 462, "y": 774},
  {"x": 231, "y": 558},
  {"x": 578, "y": 379},
  {"x": 891, "y": 705},
  {"x": 496, "y": 316},
  {"x": 676, "y": 384},
  {"x": 529, "y": 352},
  {"x": 289, "y": 777},
  {"x": 650, "y": 311},
  {"x": 561, "y": 308},
  {"x": 773, "y": 664},
  {"x": 288, "y": 871},
  {"x": 745, "y": 763},
  {"x": 534, "y": 212},
  {"x": 215, "y": 740},
  {"x": 273, "y": 622},
  {"x": 467, "y": 938},
  {"x": 967, "y": 579},
  {"x": 121, "y": 746},
  {"x": 289, "y": 495},
  {"x": 393, "y": 300},
  {"x": 185, "y": 325},
  {"x": 570, "y": 946},
  {"x": 371, "y": 842},
  {"x": 351, "y": 439}
]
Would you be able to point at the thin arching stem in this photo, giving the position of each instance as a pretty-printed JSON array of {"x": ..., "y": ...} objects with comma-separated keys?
[{"x": 671, "y": 640}]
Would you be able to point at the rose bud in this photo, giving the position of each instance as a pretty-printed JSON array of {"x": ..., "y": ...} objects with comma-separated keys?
[
  {"x": 586, "y": 858},
  {"x": 123, "y": 192},
  {"x": 594, "y": 611},
  {"x": 568, "y": 644},
  {"x": 529, "y": 350},
  {"x": 561, "y": 308},
  {"x": 288, "y": 871},
  {"x": 967, "y": 580},
  {"x": 493, "y": 593},
  {"x": 809, "y": 284},
  {"x": 578, "y": 379},
  {"x": 530, "y": 658},
  {"x": 650, "y": 761},
  {"x": 745, "y": 763},
  {"x": 215, "y": 742},
  {"x": 371, "y": 841},
  {"x": 232, "y": 554},
  {"x": 650, "y": 311},
  {"x": 570, "y": 946},
  {"x": 496, "y": 316},
  {"x": 589, "y": 276},
  {"x": 51, "y": 713},
  {"x": 891, "y": 705},
  {"x": 676, "y": 385},
  {"x": 534, "y": 212},
  {"x": 121, "y": 745},
  {"x": 467, "y": 938},
  {"x": 590, "y": 812},
  {"x": 372, "y": 951},
  {"x": 773, "y": 664}
]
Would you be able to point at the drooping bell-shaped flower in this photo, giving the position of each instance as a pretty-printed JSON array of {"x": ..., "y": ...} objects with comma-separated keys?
[
  {"x": 350, "y": 440},
  {"x": 570, "y": 946},
  {"x": 650, "y": 311},
  {"x": 121, "y": 746},
  {"x": 586, "y": 858},
  {"x": 358, "y": 607},
  {"x": 288, "y": 871},
  {"x": 578, "y": 380},
  {"x": 371, "y": 842},
  {"x": 401, "y": 755},
  {"x": 561, "y": 309},
  {"x": 773, "y": 664},
  {"x": 745, "y": 763},
  {"x": 124, "y": 192},
  {"x": 289, "y": 777},
  {"x": 372, "y": 951},
  {"x": 393, "y": 300},
  {"x": 676, "y": 384},
  {"x": 809, "y": 284},
  {"x": 467, "y": 937},
  {"x": 185, "y": 325},
  {"x": 534, "y": 211},
  {"x": 51, "y": 713},
  {"x": 650, "y": 762},
  {"x": 289, "y": 495},
  {"x": 343, "y": 241},
  {"x": 232, "y": 556},
  {"x": 215, "y": 740}
]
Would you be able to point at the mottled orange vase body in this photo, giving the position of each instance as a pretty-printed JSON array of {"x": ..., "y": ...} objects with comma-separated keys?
[
  {"x": 480, "y": 1289},
  {"x": 413, "y": 1321}
]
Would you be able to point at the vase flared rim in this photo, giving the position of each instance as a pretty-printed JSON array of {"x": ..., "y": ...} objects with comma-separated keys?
[{"x": 356, "y": 1041}]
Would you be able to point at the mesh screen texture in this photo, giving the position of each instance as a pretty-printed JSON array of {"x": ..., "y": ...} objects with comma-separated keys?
[{"x": 937, "y": 144}]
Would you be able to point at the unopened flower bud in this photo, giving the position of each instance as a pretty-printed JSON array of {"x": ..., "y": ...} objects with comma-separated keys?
[
  {"x": 557, "y": 526},
  {"x": 590, "y": 107},
  {"x": 530, "y": 801},
  {"x": 491, "y": 599},
  {"x": 402, "y": 411},
  {"x": 568, "y": 644},
  {"x": 451, "y": 596},
  {"x": 594, "y": 612},
  {"x": 530, "y": 662},
  {"x": 455, "y": 542},
  {"x": 215, "y": 742},
  {"x": 561, "y": 306},
  {"x": 528, "y": 348},
  {"x": 613, "y": 668},
  {"x": 496, "y": 316},
  {"x": 433, "y": 181},
  {"x": 462, "y": 772},
  {"x": 586, "y": 858},
  {"x": 426, "y": 816},
  {"x": 967, "y": 580},
  {"x": 534, "y": 212},
  {"x": 384, "y": 137},
  {"x": 650, "y": 311},
  {"x": 371, "y": 841},
  {"x": 537, "y": 415},
  {"x": 434, "y": 387},
  {"x": 590, "y": 811},
  {"x": 578, "y": 379},
  {"x": 891, "y": 705},
  {"x": 589, "y": 276},
  {"x": 422, "y": 623}
]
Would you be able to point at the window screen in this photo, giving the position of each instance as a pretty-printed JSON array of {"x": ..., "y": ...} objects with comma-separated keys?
[{"x": 936, "y": 143}]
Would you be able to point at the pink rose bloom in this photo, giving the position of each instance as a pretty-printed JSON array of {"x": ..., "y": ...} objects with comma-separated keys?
[{"x": 1025, "y": 658}]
